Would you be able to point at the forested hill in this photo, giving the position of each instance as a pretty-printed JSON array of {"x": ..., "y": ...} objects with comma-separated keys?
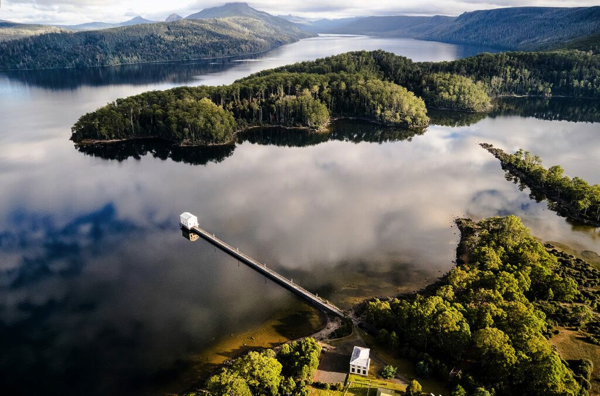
[
  {"x": 15, "y": 31},
  {"x": 590, "y": 43},
  {"x": 158, "y": 42},
  {"x": 523, "y": 28},
  {"x": 526, "y": 28}
]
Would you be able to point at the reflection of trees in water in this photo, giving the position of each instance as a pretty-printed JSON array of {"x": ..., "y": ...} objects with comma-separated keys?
[
  {"x": 348, "y": 131},
  {"x": 141, "y": 74},
  {"x": 283, "y": 137},
  {"x": 358, "y": 132},
  {"x": 344, "y": 130},
  {"x": 454, "y": 119},
  {"x": 136, "y": 149},
  {"x": 554, "y": 109}
]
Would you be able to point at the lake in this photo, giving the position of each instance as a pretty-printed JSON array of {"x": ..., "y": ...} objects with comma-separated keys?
[{"x": 100, "y": 293}]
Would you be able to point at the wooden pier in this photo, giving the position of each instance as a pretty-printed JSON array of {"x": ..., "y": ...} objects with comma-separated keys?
[{"x": 269, "y": 273}]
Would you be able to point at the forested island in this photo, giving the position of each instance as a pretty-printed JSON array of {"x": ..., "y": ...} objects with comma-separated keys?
[
  {"x": 573, "y": 198},
  {"x": 213, "y": 115},
  {"x": 376, "y": 86}
]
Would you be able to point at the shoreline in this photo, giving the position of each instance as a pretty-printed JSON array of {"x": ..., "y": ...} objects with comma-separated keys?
[
  {"x": 256, "y": 334},
  {"x": 562, "y": 207},
  {"x": 95, "y": 142},
  {"x": 155, "y": 62}
]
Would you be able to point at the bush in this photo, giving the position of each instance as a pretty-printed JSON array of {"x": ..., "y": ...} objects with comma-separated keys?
[
  {"x": 459, "y": 391},
  {"x": 423, "y": 369},
  {"x": 389, "y": 372},
  {"x": 413, "y": 389},
  {"x": 481, "y": 392}
]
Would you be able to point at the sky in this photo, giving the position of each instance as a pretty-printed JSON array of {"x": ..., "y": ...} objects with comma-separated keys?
[{"x": 82, "y": 11}]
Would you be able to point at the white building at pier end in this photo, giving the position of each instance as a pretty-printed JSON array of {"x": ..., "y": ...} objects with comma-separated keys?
[{"x": 188, "y": 220}]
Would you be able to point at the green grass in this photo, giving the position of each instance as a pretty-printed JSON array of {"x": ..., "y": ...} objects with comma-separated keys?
[
  {"x": 570, "y": 346},
  {"x": 321, "y": 392},
  {"x": 363, "y": 386},
  {"x": 375, "y": 383}
]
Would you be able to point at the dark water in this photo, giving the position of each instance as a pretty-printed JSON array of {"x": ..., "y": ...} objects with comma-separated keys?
[{"x": 99, "y": 292}]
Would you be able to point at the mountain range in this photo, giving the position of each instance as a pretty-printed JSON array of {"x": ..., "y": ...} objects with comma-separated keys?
[
  {"x": 238, "y": 29},
  {"x": 516, "y": 28},
  {"x": 138, "y": 20}
]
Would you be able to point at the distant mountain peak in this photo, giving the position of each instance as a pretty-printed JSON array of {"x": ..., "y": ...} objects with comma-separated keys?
[
  {"x": 173, "y": 17},
  {"x": 228, "y": 10},
  {"x": 138, "y": 20},
  {"x": 237, "y": 4}
]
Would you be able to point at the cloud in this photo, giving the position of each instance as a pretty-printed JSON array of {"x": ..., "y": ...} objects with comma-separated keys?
[
  {"x": 79, "y": 11},
  {"x": 48, "y": 250}
]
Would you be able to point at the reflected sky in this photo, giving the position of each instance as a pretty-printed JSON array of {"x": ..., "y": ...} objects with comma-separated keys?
[{"x": 100, "y": 293}]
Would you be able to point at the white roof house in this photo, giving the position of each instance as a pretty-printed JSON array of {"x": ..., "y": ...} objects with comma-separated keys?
[
  {"x": 360, "y": 361},
  {"x": 188, "y": 220}
]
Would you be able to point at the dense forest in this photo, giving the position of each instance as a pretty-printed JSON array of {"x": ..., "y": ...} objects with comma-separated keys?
[
  {"x": 572, "y": 197},
  {"x": 156, "y": 42},
  {"x": 512, "y": 28},
  {"x": 561, "y": 73},
  {"x": 589, "y": 43},
  {"x": 455, "y": 92},
  {"x": 268, "y": 373},
  {"x": 479, "y": 327},
  {"x": 281, "y": 99}
]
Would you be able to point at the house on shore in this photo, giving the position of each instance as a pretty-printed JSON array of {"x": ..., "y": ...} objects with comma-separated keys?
[{"x": 360, "y": 361}]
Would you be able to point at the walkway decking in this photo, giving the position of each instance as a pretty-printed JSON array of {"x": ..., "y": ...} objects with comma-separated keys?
[{"x": 269, "y": 273}]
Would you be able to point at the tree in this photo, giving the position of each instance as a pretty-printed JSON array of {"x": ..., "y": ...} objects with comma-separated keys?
[
  {"x": 481, "y": 392},
  {"x": 261, "y": 371},
  {"x": 389, "y": 372},
  {"x": 459, "y": 391},
  {"x": 228, "y": 383},
  {"x": 413, "y": 389},
  {"x": 287, "y": 386},
  {"x": 423, "y": 369},
  {"x": 450, "y": 91},
  {"x": 495, "y": 351}
]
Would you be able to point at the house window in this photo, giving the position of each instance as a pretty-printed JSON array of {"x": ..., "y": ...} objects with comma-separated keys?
[
  {"x": 352, "y": 369},
  {"x": 364, "y": 372}
]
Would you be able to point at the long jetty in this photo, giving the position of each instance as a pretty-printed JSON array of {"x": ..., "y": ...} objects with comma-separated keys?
[{"x": 269, "y": 273}]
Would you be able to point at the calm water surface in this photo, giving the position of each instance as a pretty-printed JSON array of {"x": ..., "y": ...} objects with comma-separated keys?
[{"x": 99, "y": 292}]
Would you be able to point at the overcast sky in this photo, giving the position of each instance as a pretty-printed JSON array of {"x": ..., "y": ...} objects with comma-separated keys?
[{"x": 80, "y": 11}]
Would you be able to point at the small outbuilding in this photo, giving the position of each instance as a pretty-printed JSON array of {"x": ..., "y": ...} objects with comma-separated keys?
[
  {"x": 188, "y": 220},
  {"x": 385, "y": 392},
  {"x": 360, "y": 361}
]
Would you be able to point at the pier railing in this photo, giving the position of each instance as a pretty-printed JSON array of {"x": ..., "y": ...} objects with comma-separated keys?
[{"x": 268, "y": 272}]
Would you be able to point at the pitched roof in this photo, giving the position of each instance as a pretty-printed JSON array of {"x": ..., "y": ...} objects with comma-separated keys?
[
  {"x": 360, "y": 357},
  {"x": 187, "y": 215}
]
